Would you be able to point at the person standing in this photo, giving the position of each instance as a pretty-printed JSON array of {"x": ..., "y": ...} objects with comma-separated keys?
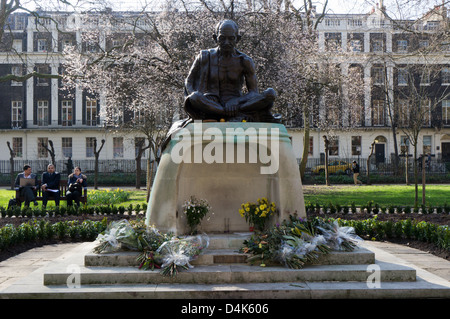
[
  {"x": 77, "y": 182},
  {"x": 355, "y": 169},
  {"x": 28, "y": 192},
  {"x": 50, "y": 185}
]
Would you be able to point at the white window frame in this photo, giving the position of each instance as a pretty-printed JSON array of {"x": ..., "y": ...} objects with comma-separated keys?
[
  {"x": 17, "y": 146},
  {"x": 16, "y": 114},
  {"x": 445, "y": 76},
  {"x": 446, "y": 112},
  {"x": 66, "y": 145},
  {"x": 66, "y": 113},
  {"x": 42, "y": 45},
  {"x": 402, "y": 45},
  {"x": 42, "y": 113},
  {"x": 118, "y": 147},
  {"x": 378, "y": 109},
  {"x": 402, "y": 74},
  {"x": 91, "y": 112}
]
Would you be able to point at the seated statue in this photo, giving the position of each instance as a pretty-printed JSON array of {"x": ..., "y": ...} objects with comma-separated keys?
[{"x": 214, "y": 86}]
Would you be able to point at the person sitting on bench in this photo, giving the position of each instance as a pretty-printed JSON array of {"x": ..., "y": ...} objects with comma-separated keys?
[
  {"x": 50, "y": 185},
  {"x": 27, "y": 184},
  {"x": 76, "y": 183}
]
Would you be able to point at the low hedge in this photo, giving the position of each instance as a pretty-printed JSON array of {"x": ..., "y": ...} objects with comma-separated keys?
[
  {"x": 84, "y": 210},
  {"x": 375, "y": 208},
  {"x": 41, "y": 229},
  {"x": 423, "y": 231}
]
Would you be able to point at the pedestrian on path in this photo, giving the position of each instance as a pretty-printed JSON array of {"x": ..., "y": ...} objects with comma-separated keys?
[{"x": 355, "y": 168}]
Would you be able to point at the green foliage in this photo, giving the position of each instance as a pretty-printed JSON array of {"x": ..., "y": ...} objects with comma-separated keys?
[{"x": 108, "y": 197}]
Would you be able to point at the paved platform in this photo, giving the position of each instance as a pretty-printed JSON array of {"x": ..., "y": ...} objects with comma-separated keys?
[{"x": 26, "y": 269}]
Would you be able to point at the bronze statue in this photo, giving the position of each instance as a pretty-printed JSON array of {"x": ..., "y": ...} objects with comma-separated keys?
[{"x": 216, "y": 79}]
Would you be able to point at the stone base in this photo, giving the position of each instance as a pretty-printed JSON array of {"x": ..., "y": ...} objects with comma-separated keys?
[{"x": 207, "y": 160}]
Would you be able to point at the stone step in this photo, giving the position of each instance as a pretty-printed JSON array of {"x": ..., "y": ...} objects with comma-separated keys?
[
  {"x": 231, "y": 273},
  {"x": 262, "y": 291},
  {"x": 227, "y": 256}
]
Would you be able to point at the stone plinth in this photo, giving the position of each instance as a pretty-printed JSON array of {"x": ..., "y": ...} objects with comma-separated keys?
[{"x": 227, "y": 164}]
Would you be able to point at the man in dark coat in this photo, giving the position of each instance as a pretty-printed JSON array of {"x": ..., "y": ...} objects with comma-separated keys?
[
  {"x": 50, "y": 185},
  {"x": 28, "y": 192}
]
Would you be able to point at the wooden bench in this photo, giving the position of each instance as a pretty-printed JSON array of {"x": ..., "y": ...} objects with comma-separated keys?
[{"x": 62, "y": 192}]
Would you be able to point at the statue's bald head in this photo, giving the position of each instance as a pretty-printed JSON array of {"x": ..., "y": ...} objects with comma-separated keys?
[{"x": 227, "y": 23}]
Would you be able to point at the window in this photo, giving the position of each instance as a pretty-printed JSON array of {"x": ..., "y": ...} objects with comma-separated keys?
[
  {"x": 426, "y": 144},
  {"x": 423, "y": 44},
  {"x": 445, "y": 76},
  {"x": 356, "y": 112},
  {"x": 90, "y": 143},
  {"x": 311, "y": 146},
  {"x": 42, "y": 147},
  {"x": 333, "y": 113},
  {"x": 402, "y": 77},
  {"x": 446, "y": 112},
  {"x": 91, "y": 112},
  {"x": 378, "y": 75},
  {"x": 66, "y": 146},
  {"x": 425, "y": 78},
  {"x": 402, "y": 46},
  {"x": 66, "y": 113},
  {"x": 426, "y": 112},
  {"x": 356, "y": 45},
  {"x": 16, "y": 114},
  {"x": 17, "y": 45},
  {"x": 42, "y": 113},
  {"x": 333, "y": 146},
  {"x": 378, "y": 113},
  {"x": 356, "y": 145},
  {"x": 42, "y": 45},
  {"x": 377, "y": 46},
  {"x": 16, "y": 71},
  {"x": 403, "y": 112},
  {"x": 17, "y": 146},
  {"x": 139, "y": 141},
  {"x": 118, "y": 147},
  {"x": 42, "y": 69}
]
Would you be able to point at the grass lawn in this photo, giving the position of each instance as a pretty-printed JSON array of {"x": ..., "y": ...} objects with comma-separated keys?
[
  {"x": 381, "y": 194},
  {"x": 320, "y": 194},
  {"x": 136, "y": 197}
]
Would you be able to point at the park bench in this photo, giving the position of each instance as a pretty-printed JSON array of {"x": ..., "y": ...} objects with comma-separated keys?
[{"x": 62, "y": 191}]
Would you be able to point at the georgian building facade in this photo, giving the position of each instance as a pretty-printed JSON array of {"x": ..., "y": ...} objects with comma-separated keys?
[{"x": 35, "y": 111}]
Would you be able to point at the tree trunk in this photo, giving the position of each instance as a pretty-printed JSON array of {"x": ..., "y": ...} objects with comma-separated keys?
[
  {"x": 305, "y": 151},
  {"x": 423, "y": 180},
  {"x": 327, "y": 177}
]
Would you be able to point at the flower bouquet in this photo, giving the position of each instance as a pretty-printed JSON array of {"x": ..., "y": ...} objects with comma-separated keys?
[
  {"x": 117, "y": 235},
  {"x": 195, "y": 210},
  {"x": 176, "y": 254},
  {"x": 258, "y": 213},
  {"x": 339, "y": 238}
]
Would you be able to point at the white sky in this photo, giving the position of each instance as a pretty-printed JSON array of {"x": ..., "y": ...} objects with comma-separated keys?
[{"x": 409, "y": 8}]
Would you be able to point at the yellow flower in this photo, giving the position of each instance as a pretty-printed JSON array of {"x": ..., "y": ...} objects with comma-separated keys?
[
  {"x": 261, "y": 207},
  {"x": 247, "y": 209}
]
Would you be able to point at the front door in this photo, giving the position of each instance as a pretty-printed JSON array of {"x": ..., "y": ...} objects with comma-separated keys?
[
  {"x": 379, "y": 153},
  {"x": 446, "y": 151}
]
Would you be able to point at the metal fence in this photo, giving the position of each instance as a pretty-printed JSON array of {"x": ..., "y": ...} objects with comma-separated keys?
[
  {"x": 87, "y": 166},
  {"x": 435, "y": 166},
  {"x": 387, "y": 167}
]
